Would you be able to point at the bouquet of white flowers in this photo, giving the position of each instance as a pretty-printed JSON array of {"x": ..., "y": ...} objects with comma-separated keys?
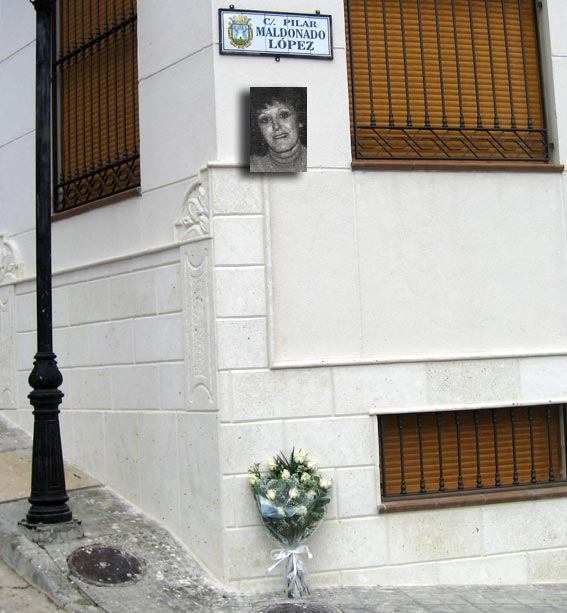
[{"x": 292, "y": 499}]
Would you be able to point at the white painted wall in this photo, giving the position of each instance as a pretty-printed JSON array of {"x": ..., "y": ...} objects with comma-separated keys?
[
  {"x": 17, "y": 127},
  {"x": 327, "y": 91},
  {"x": 390, "y": 266},
  {"x": 175, "y": 72},
  {"x": 175, "y": 78},
  {"x": 324, "y": 298}
]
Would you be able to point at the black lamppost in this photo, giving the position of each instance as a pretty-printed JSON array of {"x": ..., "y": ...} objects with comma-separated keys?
[{"x": 48, "y": 494}]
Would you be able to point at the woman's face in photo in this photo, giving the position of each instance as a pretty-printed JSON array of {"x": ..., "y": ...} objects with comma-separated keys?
[{"x": 279, "y": 125}]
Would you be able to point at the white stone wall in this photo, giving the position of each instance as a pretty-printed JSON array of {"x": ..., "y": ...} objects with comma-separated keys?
[
  {"x": 8, "y": 383},
  {"x": 321, "y": 300},
  {"x": 132, "y": 415},
  {"x": 329, "y": 411},
  {"x": 444, "y": 270}
]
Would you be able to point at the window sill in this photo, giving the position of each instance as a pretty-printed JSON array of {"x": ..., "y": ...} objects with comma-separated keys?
[
  {"x": 456, "y": 166},
  {"x": 444, "y": 501},
  {"x": 96, "y": 204}
]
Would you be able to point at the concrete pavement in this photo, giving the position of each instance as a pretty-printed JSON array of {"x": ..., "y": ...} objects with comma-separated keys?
[
  {"x": 171, "y": 581},
  {"x": 16, "y": 595}
]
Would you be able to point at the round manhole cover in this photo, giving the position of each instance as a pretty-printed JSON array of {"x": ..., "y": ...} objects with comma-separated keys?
[
  {"x": 101, "y": 565},
  {"x": 295, "y": 607}
]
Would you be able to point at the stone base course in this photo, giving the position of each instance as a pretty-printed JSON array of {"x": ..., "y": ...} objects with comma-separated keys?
[{"x": 174, "y": 582}]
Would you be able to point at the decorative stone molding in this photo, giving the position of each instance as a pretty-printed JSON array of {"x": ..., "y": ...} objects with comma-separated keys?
[
  {"x": 11, "y": 267},
  {"x": 7, "y": 349},
  {"x": 198, "y": 325},
  {"x": 195, "y": 211}
]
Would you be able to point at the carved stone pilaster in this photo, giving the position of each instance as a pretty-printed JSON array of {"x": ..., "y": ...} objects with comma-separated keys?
[
  {"x": 11, "y": 267},
  {"x": 199, "y": 325},
  {"x": 194, "y": 221},
  {"x": 7, "y": 350}
]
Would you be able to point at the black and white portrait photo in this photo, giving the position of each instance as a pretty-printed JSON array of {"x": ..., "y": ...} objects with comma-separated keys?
[{"x": 278, "y": 129}]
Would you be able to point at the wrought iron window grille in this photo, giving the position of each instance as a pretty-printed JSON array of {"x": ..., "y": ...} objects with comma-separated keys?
[
  {"x": 96, "y": 102},
  {"x": 445, "y": 80},
  {"x": 449, "y": 452}
]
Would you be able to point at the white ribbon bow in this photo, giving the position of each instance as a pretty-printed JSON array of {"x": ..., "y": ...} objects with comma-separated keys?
[{"x": 279, "y": 555}]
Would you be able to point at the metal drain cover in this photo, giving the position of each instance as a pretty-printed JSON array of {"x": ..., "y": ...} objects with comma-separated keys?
[
  {"x": 100, "y": 565},
  {"x": 295, "y": 607}
]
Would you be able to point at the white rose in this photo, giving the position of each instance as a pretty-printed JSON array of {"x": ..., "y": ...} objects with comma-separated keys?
[
  {"x": 271, "y": 494},
  {"x": 312, "y": 465},
  {"x": 325, "y": 483},
  {"x": 305, "y": 477},
  {"x": 301, "y": 510},
  {"x": 272, "y": 464},
  {"x": 299, "y": 457},
  {"x": 311, "y": 494},
  {"x": 293, "y": 493},
  {"x": 253, "y": 479},
  {"x": 285, "y": 473}
]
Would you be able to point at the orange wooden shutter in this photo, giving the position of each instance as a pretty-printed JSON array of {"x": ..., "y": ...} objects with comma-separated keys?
[
  {"x": 432, "y": 451},
  {"x": 97, "y": 119},
  {"x": 464, "y": 65}
]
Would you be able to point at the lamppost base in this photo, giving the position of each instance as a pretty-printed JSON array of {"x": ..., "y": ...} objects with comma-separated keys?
[
  {"x": 43, "y": 514},
  {"x": 52, "y": 533}
]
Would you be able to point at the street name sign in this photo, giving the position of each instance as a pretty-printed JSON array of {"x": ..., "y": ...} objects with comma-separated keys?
[{"x": 279, "y": 34}]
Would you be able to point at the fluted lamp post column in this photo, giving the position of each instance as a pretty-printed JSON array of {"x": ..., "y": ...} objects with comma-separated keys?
[{"x": 48, "y": 497}]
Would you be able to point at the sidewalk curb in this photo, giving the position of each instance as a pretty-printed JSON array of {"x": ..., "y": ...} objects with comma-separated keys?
[{"x": 33, "y": 563}]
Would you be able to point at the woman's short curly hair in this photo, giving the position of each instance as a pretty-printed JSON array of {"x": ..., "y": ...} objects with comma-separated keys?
[{"x": 260, "y": 97}]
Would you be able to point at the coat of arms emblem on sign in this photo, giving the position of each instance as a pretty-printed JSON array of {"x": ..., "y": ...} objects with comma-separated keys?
[{"x": 240, "y": 32}]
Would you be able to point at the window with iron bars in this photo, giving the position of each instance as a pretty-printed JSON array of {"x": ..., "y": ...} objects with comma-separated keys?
[
  {"x": 445, "y": 80},
  {"x": 96, "y": 102},
  {"x": 483, "y": 450}
]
